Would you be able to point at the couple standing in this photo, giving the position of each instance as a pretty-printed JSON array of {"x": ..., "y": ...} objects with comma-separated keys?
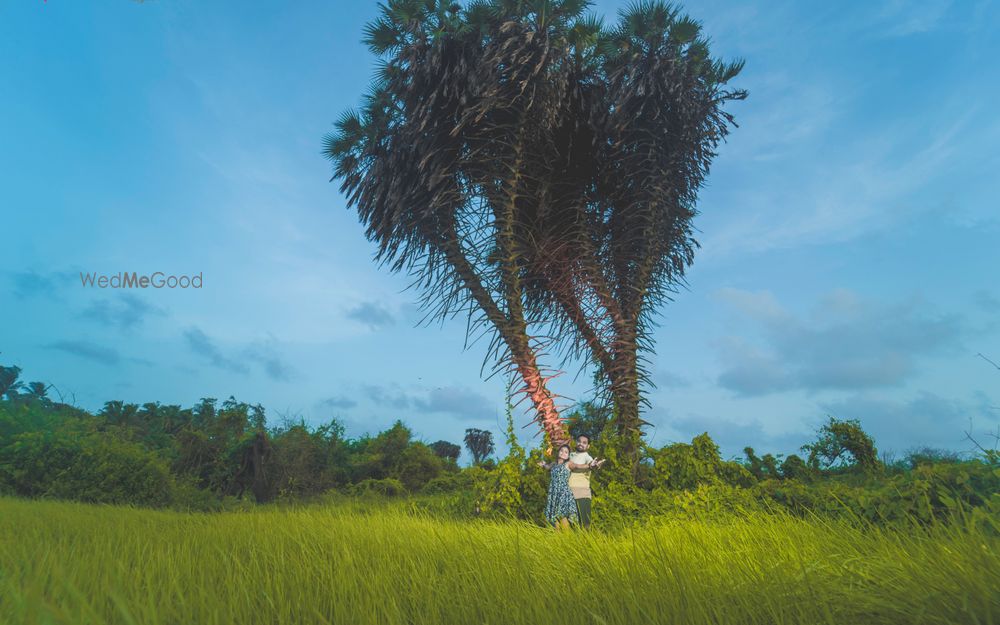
[{"x": 569, "y": 495}]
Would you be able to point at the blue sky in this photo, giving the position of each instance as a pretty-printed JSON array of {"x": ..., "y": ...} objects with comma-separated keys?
[{"x": 849, "y": 226}]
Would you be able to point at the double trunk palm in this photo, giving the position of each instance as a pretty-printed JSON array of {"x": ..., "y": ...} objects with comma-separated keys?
[{"x": 533, "y": 168}]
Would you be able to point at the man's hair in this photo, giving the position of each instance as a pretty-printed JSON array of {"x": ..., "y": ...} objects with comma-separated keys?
[{"x": 586, "y": 436}]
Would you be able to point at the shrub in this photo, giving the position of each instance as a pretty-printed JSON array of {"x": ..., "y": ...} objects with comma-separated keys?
[
  {"x": 735, "y": 474},
  {"x": 501, "y": 494},
  {"x": 87, "y": 467},
  {"x": 795, "y": 468},
  {"x": 930, "y": 455},
  {"x": 760, "y": 468},
  {"x": 187, "y": 497},
  {"x": 447, "y": 483},
  {"x": 683, "y": 466},
  {"x": 385, "y": 487},
  {"x": 417, "y": 466}
]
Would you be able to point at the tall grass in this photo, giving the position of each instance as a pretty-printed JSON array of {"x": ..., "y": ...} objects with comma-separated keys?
[{"x": 84, "y": 564}]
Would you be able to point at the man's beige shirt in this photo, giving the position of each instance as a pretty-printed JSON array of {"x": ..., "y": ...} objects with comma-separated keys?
[{"x": 579, "y": 481}]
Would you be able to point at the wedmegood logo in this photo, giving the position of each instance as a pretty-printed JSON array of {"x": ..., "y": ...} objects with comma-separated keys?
[{"x": 126, "y": 280}]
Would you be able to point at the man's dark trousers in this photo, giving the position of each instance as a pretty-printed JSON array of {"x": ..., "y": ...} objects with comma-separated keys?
[{"x": 583, "y": 508}]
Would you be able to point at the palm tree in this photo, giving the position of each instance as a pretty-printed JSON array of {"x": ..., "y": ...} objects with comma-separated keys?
[
  {"x": 9, "y": 384},
  {"x": 620, "y": 246},
  {"x": 479, "y": 443},
  {"x": 37, "y": 390},
  {"x": 530, "y": 167},
  {"x": 438, "y": 163}
]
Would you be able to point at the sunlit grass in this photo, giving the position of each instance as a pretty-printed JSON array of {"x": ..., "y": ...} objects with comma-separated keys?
[{"x": 76, "y": 563}]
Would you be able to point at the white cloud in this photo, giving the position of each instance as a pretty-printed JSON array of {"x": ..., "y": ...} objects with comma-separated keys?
[
  {"x": 846, "y": 342},
  {"x": 760, "y": 305},
  {"x": 925, "y": 419}
]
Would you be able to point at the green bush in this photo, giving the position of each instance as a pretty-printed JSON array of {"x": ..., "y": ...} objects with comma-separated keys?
[
  {"x": 385, "y": 487},
  {"x": 500, "y": 494},
  {"x": 187, "y": 497},
  {"x": 418, "y": 465},
  {"x": 447, "y": 483},
  {"x": 929, "y": 456},
  {"x": 683, "y": 466},
  {"x": 795, "y": 468},
  {"x": 618, "y": 504},
  {"x": 929, "y": 493},
  {"x": 88, "y": 467}
]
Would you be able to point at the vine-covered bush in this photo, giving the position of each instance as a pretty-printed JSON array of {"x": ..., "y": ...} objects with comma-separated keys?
[
  {"x": 500, "y": 492},
  {"x": 683, "y": 466}
]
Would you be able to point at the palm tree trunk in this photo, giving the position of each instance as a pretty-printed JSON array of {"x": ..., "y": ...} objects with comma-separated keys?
[
  {"x": 625, "y": 395},
  {"x": 543, "y": 400},
  {"x": 513, "y": 332}
]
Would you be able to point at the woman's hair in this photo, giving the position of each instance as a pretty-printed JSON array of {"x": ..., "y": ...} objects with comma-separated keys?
[{"x": 560, "y": 449}]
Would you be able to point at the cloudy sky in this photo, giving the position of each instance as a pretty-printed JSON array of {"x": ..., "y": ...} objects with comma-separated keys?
[{"x": 849, "y": 227}]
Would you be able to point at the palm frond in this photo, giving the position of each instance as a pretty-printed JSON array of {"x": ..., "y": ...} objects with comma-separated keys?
[
  {"x": 382, "y": 36},
  {"x": 684, "y": 31}
]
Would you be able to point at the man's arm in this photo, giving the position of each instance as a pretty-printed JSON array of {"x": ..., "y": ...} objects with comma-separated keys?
[{"x": 583, "y": 466}]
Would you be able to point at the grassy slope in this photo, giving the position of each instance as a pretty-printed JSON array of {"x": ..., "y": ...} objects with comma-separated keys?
[{"x": 77, "y": 563}]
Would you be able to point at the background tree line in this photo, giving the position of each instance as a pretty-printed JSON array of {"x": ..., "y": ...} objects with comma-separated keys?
[
  {"x": 212, "y": 456},
  {"x": 151, "y": 453}
]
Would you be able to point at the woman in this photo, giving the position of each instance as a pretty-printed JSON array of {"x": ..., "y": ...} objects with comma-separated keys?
[{"x": 560, "y": 507}]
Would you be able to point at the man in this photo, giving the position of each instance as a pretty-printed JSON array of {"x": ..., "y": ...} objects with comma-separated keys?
[{"x": 580, "y": 464}]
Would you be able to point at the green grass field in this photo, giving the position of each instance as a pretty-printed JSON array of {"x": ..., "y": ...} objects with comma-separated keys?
[{"x": 78, "y": 563}]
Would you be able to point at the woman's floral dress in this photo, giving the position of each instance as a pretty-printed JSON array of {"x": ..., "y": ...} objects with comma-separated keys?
[{"x": 560, "y": 502}]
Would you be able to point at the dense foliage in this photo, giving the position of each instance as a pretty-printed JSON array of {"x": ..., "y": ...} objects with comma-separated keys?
[
  {"x": 214, "y": 456},
  {"x": 200, "y": 457}
]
